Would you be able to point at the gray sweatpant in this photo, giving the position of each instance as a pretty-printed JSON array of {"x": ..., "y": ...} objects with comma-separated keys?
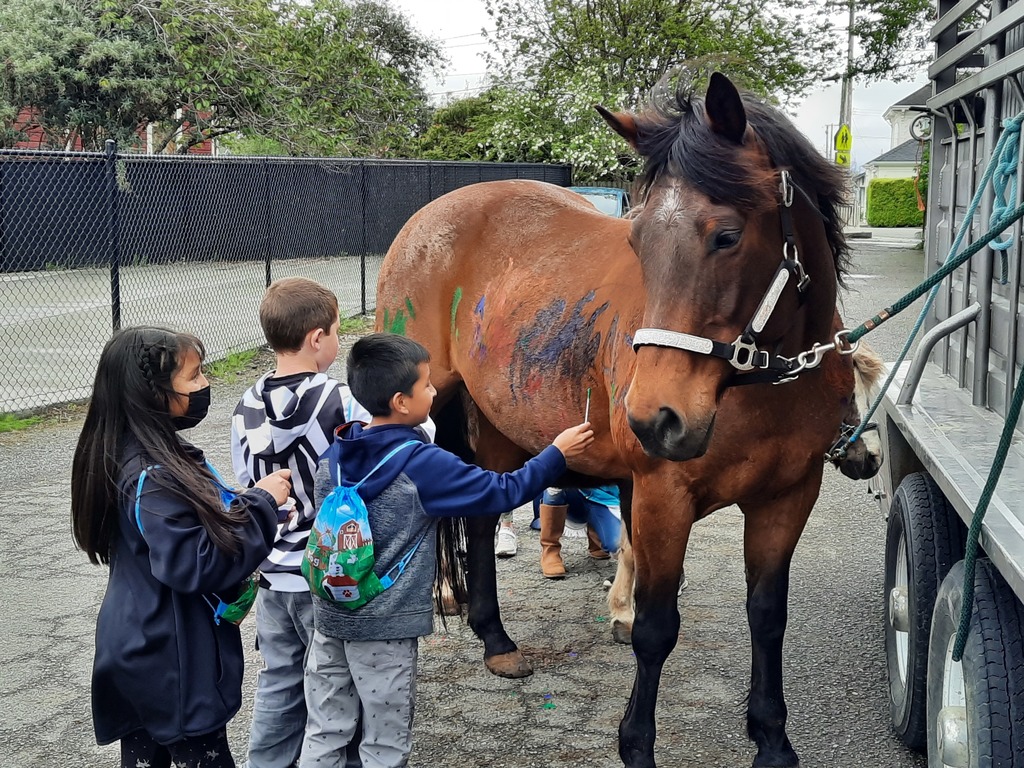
[{"x": 341, "y": 675}]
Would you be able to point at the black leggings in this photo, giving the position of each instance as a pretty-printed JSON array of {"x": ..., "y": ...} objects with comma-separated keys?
[{"x": 211, "y": 750}]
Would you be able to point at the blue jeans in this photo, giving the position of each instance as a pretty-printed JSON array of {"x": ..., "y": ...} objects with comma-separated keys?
[
  {"x": 284, "y": 628},
  {"x": 582, "y": 511}
]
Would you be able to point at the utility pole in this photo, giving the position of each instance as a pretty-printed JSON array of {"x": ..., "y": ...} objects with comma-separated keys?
[{"x": 846, "y": 99}]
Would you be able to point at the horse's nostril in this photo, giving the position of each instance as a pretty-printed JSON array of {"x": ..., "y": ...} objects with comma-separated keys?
[
  {"x": 669, "y": 427},
  {"x": 668, "y": 436}
]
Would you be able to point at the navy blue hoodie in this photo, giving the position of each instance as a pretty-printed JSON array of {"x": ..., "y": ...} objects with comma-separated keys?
[
  {"x": 162, "y": 664},
  {"x": 404, "y": 500}
]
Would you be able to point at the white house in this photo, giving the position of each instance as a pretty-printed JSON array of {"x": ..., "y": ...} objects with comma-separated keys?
[{"x": 901, "y": 161}]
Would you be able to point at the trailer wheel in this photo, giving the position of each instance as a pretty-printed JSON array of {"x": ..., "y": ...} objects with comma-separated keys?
[
  {"x": 924, "y": 538},
  {"x": 976, "y": 705}
]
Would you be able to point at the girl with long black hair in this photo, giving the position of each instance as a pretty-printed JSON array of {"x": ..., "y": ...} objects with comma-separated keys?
[{"x": 180, "y": 544}]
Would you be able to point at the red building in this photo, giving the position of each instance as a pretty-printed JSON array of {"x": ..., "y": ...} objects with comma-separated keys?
[{"x": 35, "y": 138}]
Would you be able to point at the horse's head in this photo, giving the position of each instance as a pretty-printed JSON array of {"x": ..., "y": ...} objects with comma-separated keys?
[{"x": 738, "y": 211}]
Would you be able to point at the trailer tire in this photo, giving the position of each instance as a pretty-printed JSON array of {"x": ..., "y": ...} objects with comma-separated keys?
[
  {"x": 924, "y": 538},
  {"x": 978, "y": 703}
]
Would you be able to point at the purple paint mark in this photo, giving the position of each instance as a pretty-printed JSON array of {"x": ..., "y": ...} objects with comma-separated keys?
[
  {"x": 556, "y": 346},
  {"x": 478, "y": 350}
]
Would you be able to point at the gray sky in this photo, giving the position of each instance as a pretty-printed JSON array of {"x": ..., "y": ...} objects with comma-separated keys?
[{"x": 457, "y": 23}]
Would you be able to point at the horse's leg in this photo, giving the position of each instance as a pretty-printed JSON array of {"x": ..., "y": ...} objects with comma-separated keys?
[
  {"x": 658, "y": 550},
  {"x": 502, "y": 656},
  {"x": 770, "y": 533},
  {"x": 620, "y": 596}
]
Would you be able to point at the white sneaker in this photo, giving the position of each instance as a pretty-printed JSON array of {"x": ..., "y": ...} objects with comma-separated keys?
[
  {"x": 574, "y": 530},
  {"x": 508, "y": 544}
]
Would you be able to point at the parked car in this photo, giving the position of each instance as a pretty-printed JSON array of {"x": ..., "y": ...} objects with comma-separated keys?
[{"x": 610, "y": 200}]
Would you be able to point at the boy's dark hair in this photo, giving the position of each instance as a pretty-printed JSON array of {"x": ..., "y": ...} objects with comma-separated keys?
[
  {"x": 294, "y": 306},
  {"x": 131, "y": 399},
  {"x": 381, "y": 365}
]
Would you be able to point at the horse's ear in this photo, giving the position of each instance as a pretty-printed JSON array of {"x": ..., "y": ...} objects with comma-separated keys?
[
  {"x": 621, "y": 122},
  {"x": 725, "y": 109}
]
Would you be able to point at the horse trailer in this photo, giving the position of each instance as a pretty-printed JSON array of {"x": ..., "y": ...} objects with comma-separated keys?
[{"x": 941, "y": 420}]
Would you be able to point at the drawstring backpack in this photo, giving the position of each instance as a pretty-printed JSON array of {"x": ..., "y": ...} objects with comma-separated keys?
[
  {"x": 238, "y": 608},
  {"x": 339, "y": 560}
]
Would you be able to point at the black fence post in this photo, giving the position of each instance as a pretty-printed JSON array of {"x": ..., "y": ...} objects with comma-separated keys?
[
  {"x": 267, "y": 206},
  {"x": 114, "y": 233},
  {"x": 362, "y": 237}
]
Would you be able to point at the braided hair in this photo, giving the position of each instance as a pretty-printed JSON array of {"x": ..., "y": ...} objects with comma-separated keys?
[{"x": 131, "y": 399}]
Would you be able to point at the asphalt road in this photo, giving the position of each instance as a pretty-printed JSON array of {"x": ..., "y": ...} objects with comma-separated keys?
[
  {"x": 567, "y": 713},
  {"x": 54, "y": 324}
]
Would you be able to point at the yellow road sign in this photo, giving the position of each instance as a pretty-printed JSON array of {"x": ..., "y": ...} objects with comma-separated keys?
[
  {"x": 842, "y": 157},
  {"x": 844, "y": 139}
]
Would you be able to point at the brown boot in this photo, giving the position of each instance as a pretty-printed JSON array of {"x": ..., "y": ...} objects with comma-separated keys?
[
  {"x": 552, "y": 524},
  {"x": 594, "y": 545}
]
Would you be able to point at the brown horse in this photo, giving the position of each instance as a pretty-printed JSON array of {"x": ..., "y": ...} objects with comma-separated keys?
[{"x": 678, "y": 322}]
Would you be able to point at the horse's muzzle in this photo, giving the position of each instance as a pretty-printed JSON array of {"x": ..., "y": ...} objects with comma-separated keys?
[
  {"x": 860, "y": 462},
  {"x": 668, "y": 437}
]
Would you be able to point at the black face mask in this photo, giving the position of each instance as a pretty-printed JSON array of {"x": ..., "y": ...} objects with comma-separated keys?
[{"x": 198, "y": 407}]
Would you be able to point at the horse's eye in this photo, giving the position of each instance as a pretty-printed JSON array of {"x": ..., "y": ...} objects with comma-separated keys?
[{"x": 726, "y": 240}]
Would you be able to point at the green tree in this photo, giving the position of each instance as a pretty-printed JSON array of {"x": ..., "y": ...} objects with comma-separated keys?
[
  {"x": 893, "y": 38},
  {"x": 561, "y": 126},
  {"x": 80, "y": 72},
  {"x": 327, "y": 76},
  {"x": 461, "y": 130},
  {"x": 560, "y": 57},
  {"x": 772, "y": 46}
]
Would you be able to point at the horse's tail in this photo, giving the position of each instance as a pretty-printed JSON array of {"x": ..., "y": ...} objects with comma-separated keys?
[{"x": 450, "y": 588}]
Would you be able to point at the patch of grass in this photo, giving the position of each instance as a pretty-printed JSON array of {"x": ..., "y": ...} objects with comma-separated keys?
[
  {"x": 355, "y": 325},
  {"x": 11, "y": 423},
  {"x": 232, "y": 365}
]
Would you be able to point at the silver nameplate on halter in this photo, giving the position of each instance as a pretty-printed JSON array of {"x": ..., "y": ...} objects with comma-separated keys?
[
  {"x": 656, "y": 337},
  {"x": 771, "y": 298}
]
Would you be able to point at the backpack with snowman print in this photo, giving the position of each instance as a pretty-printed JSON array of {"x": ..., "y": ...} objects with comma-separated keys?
[{"x": 339, "y": 560}]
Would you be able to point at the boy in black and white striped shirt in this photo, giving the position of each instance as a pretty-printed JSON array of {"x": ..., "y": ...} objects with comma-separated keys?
[{"x": 286, "y": 420}]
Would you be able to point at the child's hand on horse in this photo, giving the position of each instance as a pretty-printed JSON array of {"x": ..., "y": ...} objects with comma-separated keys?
[
  {"x": 277, "y": 484},
  {"x": 574, "y": 440}
]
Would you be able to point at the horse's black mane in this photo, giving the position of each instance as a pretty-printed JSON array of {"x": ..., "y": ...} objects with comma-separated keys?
[{"x": 674, "y": 137}]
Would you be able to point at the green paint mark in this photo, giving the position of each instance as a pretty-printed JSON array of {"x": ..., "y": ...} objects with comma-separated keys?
[
  {"x": 408, "y": 306},
  {"x": 455, "y": 308},
  {"x": 611, "y": 402},
  {"x": 396, "y": 324}
]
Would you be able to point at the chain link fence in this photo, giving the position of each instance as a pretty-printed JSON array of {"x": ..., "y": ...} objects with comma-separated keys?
[{"x": 91, "y": 242}]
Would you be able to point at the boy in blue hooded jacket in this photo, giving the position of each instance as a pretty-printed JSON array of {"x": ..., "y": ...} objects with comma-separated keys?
[{"x": 367, "y": 656}]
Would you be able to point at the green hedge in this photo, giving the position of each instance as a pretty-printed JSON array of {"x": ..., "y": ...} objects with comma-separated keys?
[{"x": 893, "y": 203}]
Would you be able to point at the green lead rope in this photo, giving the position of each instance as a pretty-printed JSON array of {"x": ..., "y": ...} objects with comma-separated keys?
[{"x": 936, "y": 277}]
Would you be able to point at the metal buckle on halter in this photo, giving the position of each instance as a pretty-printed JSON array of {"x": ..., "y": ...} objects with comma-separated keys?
[
  {"x": 811, "y": 358},
  {"x": 802, "y": 278},
  {"x": 841, "y": 345},
  {"x": 745, "y": 355},
  {"x": 786, "y": 189}
]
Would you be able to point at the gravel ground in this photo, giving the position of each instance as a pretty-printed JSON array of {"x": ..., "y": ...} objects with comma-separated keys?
[{"x": 567, "y": 713}]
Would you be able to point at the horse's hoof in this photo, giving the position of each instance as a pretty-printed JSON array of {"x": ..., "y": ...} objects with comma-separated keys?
[
  {"x": 450, "y": 606},
  {"x": 787, "y": 759},
  {"x": 512, "y": 664},
  {"x": 622, "y": 632}
]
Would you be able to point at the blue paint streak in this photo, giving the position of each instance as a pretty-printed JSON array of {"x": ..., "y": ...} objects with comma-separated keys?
[{"x": 554, "y": 345}]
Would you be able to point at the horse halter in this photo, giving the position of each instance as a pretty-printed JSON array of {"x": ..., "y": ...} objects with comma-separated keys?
[{"x": 744, "y": 354}]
